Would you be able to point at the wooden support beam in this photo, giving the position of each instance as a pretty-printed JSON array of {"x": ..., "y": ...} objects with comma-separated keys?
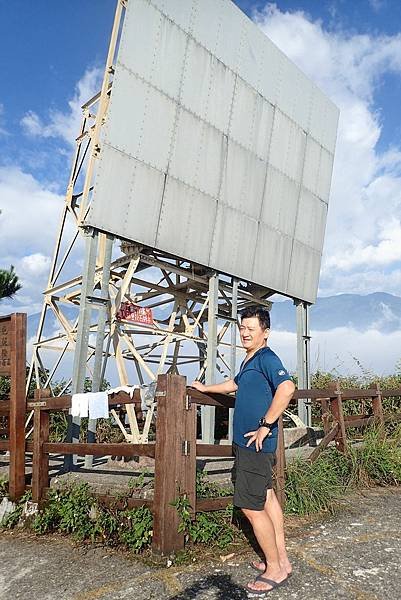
[
  {"x": 120, "y": 449},
  {"x": 214, "y": 450},
  {"x": 208, "y": 504},
  {"x": 331, "y": 435}
]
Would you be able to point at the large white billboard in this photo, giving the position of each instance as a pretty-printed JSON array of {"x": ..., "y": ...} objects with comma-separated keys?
[{"x": 216, "y": 147}]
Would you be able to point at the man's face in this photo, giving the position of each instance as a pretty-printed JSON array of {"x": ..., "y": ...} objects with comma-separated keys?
[{"x": 252, "y": 334}]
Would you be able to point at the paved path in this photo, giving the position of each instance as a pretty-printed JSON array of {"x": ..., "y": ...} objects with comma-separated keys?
[{"x": 353, "y": 555}]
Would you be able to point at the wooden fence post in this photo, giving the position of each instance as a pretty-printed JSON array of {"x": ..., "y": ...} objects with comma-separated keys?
[
  {"x": 338, "y": 414},
  {"x": 175, "y": 460},
  {"x": 280, "y": 464},
  {"x": 377, "y": 406},
  {"x": 17, "y": 341},
  {"x": 40, "y": 459},
  {"x": 325, "y": 404}
]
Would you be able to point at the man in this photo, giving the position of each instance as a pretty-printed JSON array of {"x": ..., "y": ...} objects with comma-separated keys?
[{"x": 263, "y": 390}]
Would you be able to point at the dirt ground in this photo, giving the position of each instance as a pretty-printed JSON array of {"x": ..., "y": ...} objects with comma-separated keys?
[{"x": 355, "y": 554}]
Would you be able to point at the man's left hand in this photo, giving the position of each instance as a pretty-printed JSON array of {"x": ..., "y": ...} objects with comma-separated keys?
[{"x": 257, "y": 436}]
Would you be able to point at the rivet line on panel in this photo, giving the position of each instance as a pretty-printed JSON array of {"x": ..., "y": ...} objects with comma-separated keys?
[
  {"x": 190, "y": 111},
  {"x": 189, "y": 34}
]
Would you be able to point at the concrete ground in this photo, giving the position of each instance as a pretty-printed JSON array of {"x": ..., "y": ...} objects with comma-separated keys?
[{"x": 355, "y": 554}]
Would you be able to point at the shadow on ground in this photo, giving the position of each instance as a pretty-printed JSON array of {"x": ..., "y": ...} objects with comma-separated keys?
[{"x": 222, "y": 585}]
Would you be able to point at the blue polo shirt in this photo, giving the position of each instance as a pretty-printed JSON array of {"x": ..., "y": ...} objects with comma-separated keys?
[{"x": 257, "y": 381}]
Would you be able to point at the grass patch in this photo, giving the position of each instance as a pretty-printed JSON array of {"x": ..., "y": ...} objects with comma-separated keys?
[
  {"x": 378, "y": 460},
  {"x": 315, "y": 487}
]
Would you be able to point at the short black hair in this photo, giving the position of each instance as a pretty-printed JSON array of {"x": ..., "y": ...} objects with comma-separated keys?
[{"x": 257, "y": 311}]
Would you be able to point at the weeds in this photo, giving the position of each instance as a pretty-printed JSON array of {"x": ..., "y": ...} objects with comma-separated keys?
[
  {"x": 74, "y": 510},
  {"x": 378, "y": 459},
  {"x": 315, "y": 487},
  {"x": 138, "y": 531},
  {"x": 12, "y": 519},
  {"x": 3, "y": 488},
  {"x": 213, "y": 527},
  {"x": 209, "y": 489}
]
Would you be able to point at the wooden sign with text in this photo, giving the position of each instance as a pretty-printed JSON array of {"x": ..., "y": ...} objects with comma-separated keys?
[
  {"x": 13, "y": 365},
  {"x": 5, "y": 346}
]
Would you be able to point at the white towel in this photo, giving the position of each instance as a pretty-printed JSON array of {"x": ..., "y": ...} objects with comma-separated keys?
[
  {"x": 79, "y": 405},
  {"x": 98, "y": 405},
  {"x": 129, "y": 389}
]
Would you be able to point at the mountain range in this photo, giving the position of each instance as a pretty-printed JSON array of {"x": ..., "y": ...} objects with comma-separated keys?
[{"x": 380, "y": 311}]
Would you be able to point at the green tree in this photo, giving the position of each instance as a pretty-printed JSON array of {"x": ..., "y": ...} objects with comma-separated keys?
[{"x": 9, "y": 284}]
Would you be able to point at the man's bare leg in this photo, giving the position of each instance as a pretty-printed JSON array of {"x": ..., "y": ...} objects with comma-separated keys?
[
  {"x": 263, "y": 529},
  {"x": 273, "y": 509}
]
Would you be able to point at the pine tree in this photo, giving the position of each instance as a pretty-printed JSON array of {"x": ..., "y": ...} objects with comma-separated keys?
[{"x": 9, "y": 284}]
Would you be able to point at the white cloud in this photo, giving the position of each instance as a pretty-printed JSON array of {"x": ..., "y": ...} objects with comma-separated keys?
[
  {"x": 36, "y": 264},
  {"x": 28, "y": 224},
  {"x": 364, "y": 225},
  {"x": 29, "y": 214},
  {"x": 65, "y": 125},
  {"x": 339, "y": 350}
]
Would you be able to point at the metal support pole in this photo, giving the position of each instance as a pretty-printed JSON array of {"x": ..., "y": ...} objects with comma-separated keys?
[
  {"x": 82, "y": 340},
  {"x": 208, "y": 412},
  {"x": 233, "y": 356},
  {"x": 103, "y": 301},
  {"x": 303, "y": 362}
]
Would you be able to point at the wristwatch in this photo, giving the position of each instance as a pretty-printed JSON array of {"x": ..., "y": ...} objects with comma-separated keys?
[{"x": 264, "y": 423}]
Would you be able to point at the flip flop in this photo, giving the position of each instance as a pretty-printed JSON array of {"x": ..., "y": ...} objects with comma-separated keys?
[
  {"x": 255, "y": 568},
  {"x": 274, "y": 584}
]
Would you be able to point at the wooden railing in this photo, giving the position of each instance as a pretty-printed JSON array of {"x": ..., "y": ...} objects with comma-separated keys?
[{"x": 176, "y": 447}]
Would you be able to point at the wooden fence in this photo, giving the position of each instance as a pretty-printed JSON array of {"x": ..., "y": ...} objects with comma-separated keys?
[{"x": 176, "y": 447}]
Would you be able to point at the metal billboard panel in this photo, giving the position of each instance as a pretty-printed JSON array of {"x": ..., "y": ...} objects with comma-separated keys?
[
  {"x": 304, "y": 270},
  {"x": 273, "y": 255},
  {"x": 280, "y": 215},
  {"x": 211, "y": 131}
]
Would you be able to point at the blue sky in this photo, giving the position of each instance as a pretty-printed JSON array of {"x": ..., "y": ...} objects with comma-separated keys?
[
  {"x": 51, "y": 59},
  {"x": 46, "y": 46}
]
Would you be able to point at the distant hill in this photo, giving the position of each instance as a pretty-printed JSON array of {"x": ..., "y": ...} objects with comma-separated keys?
[{"x": 379, "y": 311}]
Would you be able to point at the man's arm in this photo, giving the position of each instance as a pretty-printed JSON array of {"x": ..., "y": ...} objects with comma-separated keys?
[
  {"x": 281, "y": 399},
  {"x": 226, "y": 387}
]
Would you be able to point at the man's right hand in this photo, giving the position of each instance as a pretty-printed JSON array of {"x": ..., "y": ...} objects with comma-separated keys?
[{"x": 198, "y": 386}]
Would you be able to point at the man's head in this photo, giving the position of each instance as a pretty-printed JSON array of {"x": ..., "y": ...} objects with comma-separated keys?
[{"x": 254, "y": 328}]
